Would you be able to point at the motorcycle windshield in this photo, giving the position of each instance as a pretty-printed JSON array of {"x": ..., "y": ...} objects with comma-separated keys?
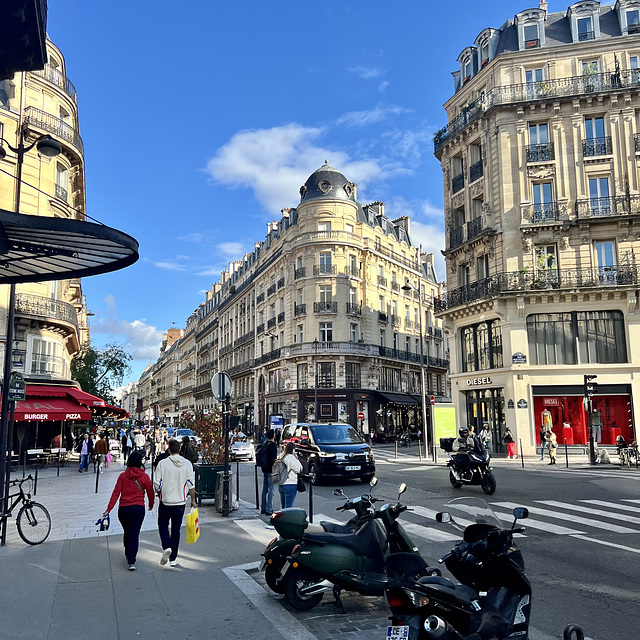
[{"x": 465, "y": 511}]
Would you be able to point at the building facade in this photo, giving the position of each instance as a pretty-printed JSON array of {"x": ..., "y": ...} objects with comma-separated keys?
[
  {"x": 314, "y": 324},
  {"x": 542, "y": 205}
]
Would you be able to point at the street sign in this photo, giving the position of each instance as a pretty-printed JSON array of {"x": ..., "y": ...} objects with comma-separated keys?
[
  {"x": 221, "y": 385},
  {"x": 17, "y": 387},
  {"x": 360, "y": 416},
  {"x": 432, "y": 400}
]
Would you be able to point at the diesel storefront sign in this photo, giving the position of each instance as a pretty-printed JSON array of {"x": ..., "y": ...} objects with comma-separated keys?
[{"x": 478, "y": 382}]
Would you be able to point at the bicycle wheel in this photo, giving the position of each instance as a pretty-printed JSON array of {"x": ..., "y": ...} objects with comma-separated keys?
[{"x": 34, "y": 523}]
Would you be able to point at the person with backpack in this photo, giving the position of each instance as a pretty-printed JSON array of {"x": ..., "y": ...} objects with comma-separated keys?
[
  {"x": 288, "y": 478},
  {"x": 188, "y": 450},
  {"x": 267, "y": 453}
]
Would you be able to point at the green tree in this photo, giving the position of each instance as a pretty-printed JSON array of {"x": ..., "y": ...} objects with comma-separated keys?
[{"x": 99, "y": 371}]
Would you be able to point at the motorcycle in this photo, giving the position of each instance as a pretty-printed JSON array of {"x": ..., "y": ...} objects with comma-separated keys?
[
  {"x": 476, "y": 472},
  {"x": 291, "y": 524},
  {"x": 354, "y": 562},
  {"x": 492, "y": 599}
]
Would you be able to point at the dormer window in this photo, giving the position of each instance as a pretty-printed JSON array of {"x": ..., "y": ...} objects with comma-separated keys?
[
  {"x": 531, "y": 37},
  {"x": 484, "y": 54},
  {"x": 466, "y": 71},
  {"x": 585, "y": 29},
  {"x": 530, "y": 24},
  {"x": 585, "y": 20},
  {"x": 633, "y": 21}
]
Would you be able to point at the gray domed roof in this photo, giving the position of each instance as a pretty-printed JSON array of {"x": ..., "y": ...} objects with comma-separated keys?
[{"x": 326, "y": 182}]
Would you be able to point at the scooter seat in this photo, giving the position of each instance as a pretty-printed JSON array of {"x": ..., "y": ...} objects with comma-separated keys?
[
  {"x": 463, "y": 593},
  {"x": 349, "y": 540}
]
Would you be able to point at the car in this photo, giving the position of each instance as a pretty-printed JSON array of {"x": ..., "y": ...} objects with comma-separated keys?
[
  {"x": 181, "y": 433},
  {"x": 332, "y": 449},
  {"x": 242, "y": 450},
  {"x": 170, "y": 431}
]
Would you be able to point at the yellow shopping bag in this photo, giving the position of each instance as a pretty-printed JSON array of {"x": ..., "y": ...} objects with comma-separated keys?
[{"x": 193, "y": 526}]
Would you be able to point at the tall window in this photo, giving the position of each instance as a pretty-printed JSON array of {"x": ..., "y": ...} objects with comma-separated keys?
[
  {"x": 300, "y": 333},
  {"x": 578, "y": 337},
  {"x": 353, "y": 296},
  {"x": 585, "y": 29},
  {"x": 324, "y": 226},
  {"x": 531, "y": 37},
  {"x": 382, "y": 337},
  {"x": 594, "y": 128},
  {"x": 326, "y": 332},
  {"x": 464, "y": 277},
  {"x": 606, "y": 261},
  {"x": 534, "y": 79},
  {"x": 352, "y": 375},
  {"x": 46, "y": 358},
  {"x": 482, "y": 346},
  {"x": 599, "y": 201},
  {"x": 325, "y": 260},
  {"x": 543, "y": 208},
  {"x": 353, "y": 265},
  {"x": 303, "y": 380},
  {"x": 482, "y": 267},
  {"x": 326, "y": 292},
  {"x": 390, "y": 379},
  {"x": 395, "y": 341},
  {"x": 327, "y": 375},
  {"x": 353, "y": 332}
]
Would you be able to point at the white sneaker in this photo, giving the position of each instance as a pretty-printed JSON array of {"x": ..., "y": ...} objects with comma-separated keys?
[
  {"x": 173, "y": 563},
  {"x": 165, "y": 556}
]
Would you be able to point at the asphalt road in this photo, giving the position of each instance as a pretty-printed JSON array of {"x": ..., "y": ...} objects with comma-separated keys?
[{"x": 581, "y": 547}]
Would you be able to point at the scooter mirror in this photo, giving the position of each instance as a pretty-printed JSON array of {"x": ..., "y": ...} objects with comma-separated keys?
[
  {"x": 443, "y": 517},
  {"x": 338, "y": 492},
  {"x": 374, "y": 481},
  {"x": 519, "y": 513},
  {"x": 402, "y": 488}
]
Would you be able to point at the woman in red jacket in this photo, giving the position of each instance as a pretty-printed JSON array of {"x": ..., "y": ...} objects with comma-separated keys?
[{"x": 130, "y": 488}]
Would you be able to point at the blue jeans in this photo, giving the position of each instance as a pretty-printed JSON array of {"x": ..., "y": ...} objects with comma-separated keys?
[
  {"x": 131, "y": 518},
  {"x": 287, "y": 494},
  {"x": 170, "y": 514},
  {"x": 84, "y": 461},
  {"x": 267, "y": 493}
]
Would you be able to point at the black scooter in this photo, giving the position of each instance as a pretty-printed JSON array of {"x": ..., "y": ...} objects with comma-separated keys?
[
  {"x": 491, "y": 601},
  {"x": 476, "y": 472}
]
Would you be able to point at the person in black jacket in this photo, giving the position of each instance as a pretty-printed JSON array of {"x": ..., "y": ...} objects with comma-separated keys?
[{"x": 267, "y": 459}]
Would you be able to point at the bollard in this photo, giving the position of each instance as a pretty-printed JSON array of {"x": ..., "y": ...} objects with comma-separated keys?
[
  {"x": 566, "y": 454},
  {"x": 97, "y": 478},
  {"x": 396, "y": 456},
  {"x": 255, "y": 474},
  {"x": 238, "y": 481},
  {"x": 35, "y": 481},
  {"x": 310, "y": 501},
  {"x": 521, "y": 455},
  {"x": 58, "y": 470}
]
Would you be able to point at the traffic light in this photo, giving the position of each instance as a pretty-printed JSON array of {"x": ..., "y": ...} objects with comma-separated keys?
[{"x": 590, "y": 387}]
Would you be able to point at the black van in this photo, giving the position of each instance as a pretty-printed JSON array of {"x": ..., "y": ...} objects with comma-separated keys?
[{"x": 331, "y": 450}]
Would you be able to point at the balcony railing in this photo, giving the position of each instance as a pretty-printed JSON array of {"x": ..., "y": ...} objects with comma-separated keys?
[
  {"x": 325, "y": 307},
  {"x": 325, "y": 269},
  {"x": 543, "y": 211},
  {"x": 267, "y": 357},
  {"x": 281, "y": 283},
  {"x": 271, "y": 322},
  {"x": 300, "y": 310},
  {"x": 456, "y": 237},
  {"x": 354, "y": 309},
  {"x": 47, "y": 122},
  {"x": 260, "y": 298},
  {"x": 636, "y": 140},
  {"x": 397, "y": 257},
  {"x": 515, "y": 282},
  {"x": 260, "y": 328},
  {"x": 300, "y": 272},
  {"x": 395, "y": 320},
  {"x": 55, "y": 76},
  {"x": 540, "y": 152},
  {"x": 49, "y": 366},
  {"x": 382, "y": 317},
  {"x": 382, "y": 281},
  {"x": 457, "y": 183},
  {"x": 271, "y": 290},
  {"x": 610, "y": 206},
  {"x": 395, "y": 286},
  {"x": 586, "y": 35},
  {"x": 48, "y": 308},
  {"x": 541, "y": 90},
  {"x": 476, "y": 171},
  {"x": 596, "y": 147},
  {"x": 354, "y": 272},
  {"x": 61, "y": 193},
  {"x": 281, "y": 317},
  {"x": 408, "y": 323},
  {"x": 474, "y": 227}
]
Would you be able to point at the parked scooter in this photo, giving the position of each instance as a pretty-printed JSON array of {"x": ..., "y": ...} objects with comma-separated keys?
[
  {"x": 292, "y": 523},
  {"x": 493, "y": 598},
  {"x": 354, "y": 562},
  {"x": 477, "y": 471}
]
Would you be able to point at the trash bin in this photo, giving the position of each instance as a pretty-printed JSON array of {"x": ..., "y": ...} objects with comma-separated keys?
[{"x": 219, "y": 491}]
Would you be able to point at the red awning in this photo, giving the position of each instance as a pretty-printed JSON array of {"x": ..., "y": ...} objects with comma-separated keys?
[
  {"x": 85, "y": 398},
  {"x": 46, "y": 391},
  {"x": 56, "y": 408}
]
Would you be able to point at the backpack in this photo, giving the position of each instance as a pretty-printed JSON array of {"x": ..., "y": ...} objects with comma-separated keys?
[
  {"x": 279, "y": 473},
  {"x": 262, "y": 456},
  {"x": 191, "y": 454}
]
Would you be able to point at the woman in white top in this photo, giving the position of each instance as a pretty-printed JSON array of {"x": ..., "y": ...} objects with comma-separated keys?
[{"x": 289, "y": 487}]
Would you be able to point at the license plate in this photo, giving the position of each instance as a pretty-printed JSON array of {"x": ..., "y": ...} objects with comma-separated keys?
[
  {"x": 285, "y": 568},
  {"x": 398, "y": 633},
  {"x": 355, "y": 468}
]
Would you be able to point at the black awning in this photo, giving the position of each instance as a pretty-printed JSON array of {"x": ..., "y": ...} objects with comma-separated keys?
[
  {"x": 398, "y": 398},
  {"x": 39, "y": 248}
]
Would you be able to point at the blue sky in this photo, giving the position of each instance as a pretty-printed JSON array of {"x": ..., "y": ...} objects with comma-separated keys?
[{"x": 202, "y": 119}]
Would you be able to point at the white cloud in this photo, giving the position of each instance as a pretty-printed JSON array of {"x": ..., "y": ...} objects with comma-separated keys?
[
  {"x": 431, "y": 237},
  {"x": 276, "y": 162},
  {"x": 371, "y": 116},
  {"x": 233, "y": 249},
  {"x": 382, "y": 87},
  {"x": 367, "y": 73}
]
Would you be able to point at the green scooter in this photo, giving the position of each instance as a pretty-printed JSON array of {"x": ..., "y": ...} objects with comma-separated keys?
[{"x": 355, "y": 562}]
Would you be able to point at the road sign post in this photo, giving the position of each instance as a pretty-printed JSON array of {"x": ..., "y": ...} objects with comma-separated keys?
[{"x": 221, "y": 387}]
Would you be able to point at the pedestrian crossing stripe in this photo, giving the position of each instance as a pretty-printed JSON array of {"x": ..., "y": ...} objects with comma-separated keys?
[
  {"x": 595, "y": 512},
  {"x": 613, "y": 505}
]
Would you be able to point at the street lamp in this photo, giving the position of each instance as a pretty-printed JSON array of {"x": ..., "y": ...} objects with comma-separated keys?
[
  {"x": 426, "y": 426},
  {"x": 315, "y": 385},
  {"x": 48, "y": 147}
]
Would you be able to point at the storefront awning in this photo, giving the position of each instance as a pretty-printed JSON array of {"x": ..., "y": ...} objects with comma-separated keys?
[
  {"x": 57, "y": 408},
  {"x": 85, "y": 398},
  {"x": 398, "y": 398}
]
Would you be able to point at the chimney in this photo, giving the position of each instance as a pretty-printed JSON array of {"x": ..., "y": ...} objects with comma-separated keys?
[
  {"x": 354, "y": 188},
  {"x": 403, "y": 222},
  {"x": 543, "y": 5}
]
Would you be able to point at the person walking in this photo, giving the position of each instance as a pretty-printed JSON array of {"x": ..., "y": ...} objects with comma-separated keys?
[
  {"x": 101, "y": 449},
  {"x": 126, "y": 445},
  {"x": 174, "y": 481},
  {"x": 510, "y": 441},
  {"x": 130, "y": 489},
  {"x": 543, "y": 442},
  {"x": 486, "y": 437},
  {"x": 553, "y": 445},
  {"x": 267, "y": 458},
  {"x": 85, "y": 449},
  {"x": 289, "y": 487}
]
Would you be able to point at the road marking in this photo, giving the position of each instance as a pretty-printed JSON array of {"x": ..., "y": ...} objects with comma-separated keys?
[
  {"x": 595, "y": 512},
  {"x": 609, "y": 544},
  {"x": 613, "y": 505},
  {"x": 613, "y": 528},
  {"x": 431, "y": 515},
  {"x": 530, "y": 523},
  {"x": 258, "y": 529},
  {"x": 428, "y": 533},
  {"x": 629, "y": 500}
]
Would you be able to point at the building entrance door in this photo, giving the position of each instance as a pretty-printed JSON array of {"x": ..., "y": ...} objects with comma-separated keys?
[{"x": 487, "y": 406}]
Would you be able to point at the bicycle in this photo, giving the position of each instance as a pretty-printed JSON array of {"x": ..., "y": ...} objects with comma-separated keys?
[{"x": 33, "y": 520}]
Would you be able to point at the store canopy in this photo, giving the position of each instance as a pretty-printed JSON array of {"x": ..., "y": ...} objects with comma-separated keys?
[
  {"x": 41, "y": 248},
  {"x": 398, "y": 398},
  {"x": 56, "y": 408},
  {"x": 85, "y": 398}
]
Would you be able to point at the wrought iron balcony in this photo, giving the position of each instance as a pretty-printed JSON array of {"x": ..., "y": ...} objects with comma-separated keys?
[
  {"x": 56, "y": 77},
  {"x": 382, "y": 281},
  {"x": 271, "y": 322},
  {"x": 436, "y": 363},
  {"x": 300, "y": 272},
  {"x": 408, "y": 323},
  {"x": 540, "y": 152},
  {"x": 597, "y": 147},
  {"x": 271, "y": 290},
  {"x": 636, "y": 140},
  {"x": 474, "y": 227},
  {"x": 586, "y": 35},
  {"x": 382, "y": 317},
  {"x": 281, "y": 283},
  {"x": 325, "y": 307},
  {"x": 456, "y": 237},
  {"x": 267, "y": 357},
  {"x": 395, "y": 286},
  {"x": 61, "y": 193},
  {"x": 260, "y": 328},
  {"x": 46, "y": 308},
  {"x": 325, "y": 269},
  {"x": 544, "y": 211},
  {"x": 457, "y": 183},
  {"x": 395, "y": 320},
  {"x": 354, "y": 272},
  {"x": 300, "y": 310},
  {"x": 354, "y": 309},
  {"x": 46, "y": 122},
  {"x": 476, "y": 171},
  {"x": 281, "y": 317},
  {"x": 516, "y": 282},
  {"x": 398, "y": 354},
  {"x": 397, "y": 257},
  {"x": 465, "y": 117},
  {"x": 260, "y": 298},
  {"x": 611, "y": 206}
]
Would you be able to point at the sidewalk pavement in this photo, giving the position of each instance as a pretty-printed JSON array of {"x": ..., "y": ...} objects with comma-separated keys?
[{"x": 76, "y": 585}]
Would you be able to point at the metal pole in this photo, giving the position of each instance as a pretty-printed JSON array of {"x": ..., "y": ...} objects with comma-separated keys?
[
  {"x": 238, "y": 480},
  {"x": 255, "y": 474},
  {"x": 225, "y": 476},
  {"x": 425, "y": 426},
  {"x": 521, "y": 456},
  {"x": 592, "y": 449},
  {"x": 315, "y": 386},
  {"x": 566, "y": 453},
  {"x": 310, "y": 501}
]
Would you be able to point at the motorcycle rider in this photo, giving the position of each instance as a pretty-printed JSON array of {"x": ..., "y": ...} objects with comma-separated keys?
[{"x": 462, "y": 445}]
